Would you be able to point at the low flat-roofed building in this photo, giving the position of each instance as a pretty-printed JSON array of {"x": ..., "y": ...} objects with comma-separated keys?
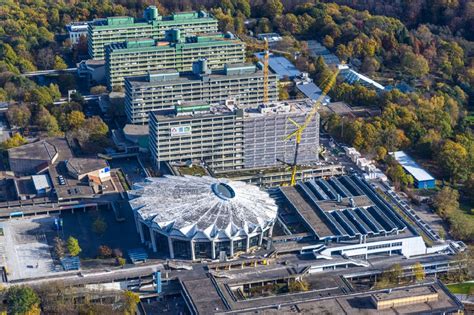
[
  {"x": 349, "y": 218},
  {"x": 32, "y": 158},
  {"x": 281, "y": 66},
  {"x": 423, "y": 179},
  {"x": 316, "y": 50},
  {"x": 92, "y": 70},
  {"x": 393, "y": 298},
  {"x": 270, "y": 37},
  {"x": 76, "y": 30},
  {"x": 42, "y": 184},
  {"x": 79, "y": 168},
  {"x": 312, "y": 91}
]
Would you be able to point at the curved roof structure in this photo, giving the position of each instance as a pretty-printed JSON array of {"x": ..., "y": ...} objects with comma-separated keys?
[{"x": 203, "y": 207}]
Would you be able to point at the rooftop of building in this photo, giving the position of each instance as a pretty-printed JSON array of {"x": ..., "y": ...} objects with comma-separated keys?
[
  {"x": 41, "y": 181},
  {"x": 344, "y": 206},
  {"x": 199, "y": 109},
  {"x": 203, "y": 206},
  {"x": 135, "y": 130},
  {"x": 40, "y": 150},
  {"x": 172, "y": 76},
  {"x": 127, "y": 21},
  {"x": 148, "y": 44},
  {"x": 415, "y": 170},
  {"x": 85, "y": 165},
  {"x": 281, "y": 66}
]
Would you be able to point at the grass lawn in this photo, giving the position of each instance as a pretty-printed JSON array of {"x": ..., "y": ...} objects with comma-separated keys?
[{"x": 461, "y": 288}]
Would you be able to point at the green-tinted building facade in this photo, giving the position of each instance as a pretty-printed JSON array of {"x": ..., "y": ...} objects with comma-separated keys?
[
  {"x": 121, "y": 28},
  {"x": 138, "y": 57}
]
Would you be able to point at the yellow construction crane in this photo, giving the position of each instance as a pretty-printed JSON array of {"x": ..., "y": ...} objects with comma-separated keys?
[
  {"x": 298, "y": 133},
  {"x": 250, "y": 42}
]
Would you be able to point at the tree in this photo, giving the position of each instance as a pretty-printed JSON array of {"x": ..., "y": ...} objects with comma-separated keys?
[
  {"x": 453, "y": 157},
  {"x": 328, "y": 41},
  {"x": 282, "y": 93},
  {"x": 59, "y": 247},
  {"x": 104, "y": 251},
  {"x": 244, "y": 7},
  {"x": 15, "y": 141},
  {"x": 446, "y": 201},
  {"x": 415, "y": 65},
  {"x": 419, "y": 271},
  {"x": 47, "y": 122},
  {"x": 22, "y": 300},
  {"x": 99, "y": 226},
  {"x": 73, "y": 247},
  {"x": 131, "y": 300},
  {"x": 395, "y": 273},
  {"x": 59, "y": 63},
  {"x": 398, "y": 175},
  {"x": 120, "y": 261},
  {"x": 19, "y": 115},
  {"x": 75, "y": 119},
  {"x": 272, "y": 8},
  {"x": 98, "y": 89}
]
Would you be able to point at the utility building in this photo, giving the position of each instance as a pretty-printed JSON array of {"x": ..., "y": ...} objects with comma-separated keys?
[
  {"x": 227, "y": 137},
  {"x": 138, "y": 57},
  {"x": 120, "y": 28},
  {"x": 165, "y": 89}
]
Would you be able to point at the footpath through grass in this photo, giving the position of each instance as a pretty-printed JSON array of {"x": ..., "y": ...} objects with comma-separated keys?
[{"x": 462, "y": 288}]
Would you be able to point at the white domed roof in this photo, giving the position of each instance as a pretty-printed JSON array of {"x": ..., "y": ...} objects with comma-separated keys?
[{"x": 203, "y": 206}]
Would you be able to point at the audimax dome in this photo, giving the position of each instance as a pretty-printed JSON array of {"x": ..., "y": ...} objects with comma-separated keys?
[{"x": 201, "y": 217}]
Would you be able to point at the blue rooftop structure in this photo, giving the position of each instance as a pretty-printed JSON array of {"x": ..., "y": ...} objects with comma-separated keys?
[
  {"x": 281, "y": 66},
  {"x": 312, "y": 91},
  {"x": 422, "y": 178},
  {"x": 71, "y": 263}
]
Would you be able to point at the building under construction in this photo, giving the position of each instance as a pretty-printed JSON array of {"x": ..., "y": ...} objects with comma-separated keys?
[{"x": 227, "y": 137}]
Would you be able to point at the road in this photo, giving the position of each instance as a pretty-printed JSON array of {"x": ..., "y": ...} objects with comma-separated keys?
[
  {"x": 45, "y": 72},
  {"x": 91, "y": 97}
]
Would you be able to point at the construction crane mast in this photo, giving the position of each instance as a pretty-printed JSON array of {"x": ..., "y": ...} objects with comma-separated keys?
[
  {"x": 265, "y": 71},
  {"x": 298, "y": 133},
  {"x": 250, "y": 42}
]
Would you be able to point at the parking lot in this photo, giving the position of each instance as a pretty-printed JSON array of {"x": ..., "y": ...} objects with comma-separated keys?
[{"x": 24, "y": 247}]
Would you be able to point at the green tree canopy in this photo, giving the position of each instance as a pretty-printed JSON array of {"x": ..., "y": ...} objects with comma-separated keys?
[
  {"x": 73, "y": 247},
  {"x": 22, "y": 300}
]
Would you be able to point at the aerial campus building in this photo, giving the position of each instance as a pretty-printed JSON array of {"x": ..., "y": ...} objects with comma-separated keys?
[
  {"x": 138, "y": 57},
  {"x": 120, "y": 28},
  {"x": 201, "y": 217},
  {"x": 345, "y": 217},
  {"x": 166, "y": 89},
  {"x": 228, "y": 137},
  {"x": 423, "y": 180}
]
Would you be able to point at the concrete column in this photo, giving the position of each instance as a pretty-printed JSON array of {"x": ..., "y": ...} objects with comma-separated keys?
[
  {"x": 137, "y": 223},
  {"x": 231, "y": 248},
  {"x": 213, "y": 249},
  {"x": 140, "y": 230},
  {"x": 260, "y": 239},
  {"x": 270, "y": 231},
  {"x": 193, "y": 254},
  {"x": 247, "y": 246},
  {"x": 170, "y": 245},
  {"x": 153, "y": 239}
]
